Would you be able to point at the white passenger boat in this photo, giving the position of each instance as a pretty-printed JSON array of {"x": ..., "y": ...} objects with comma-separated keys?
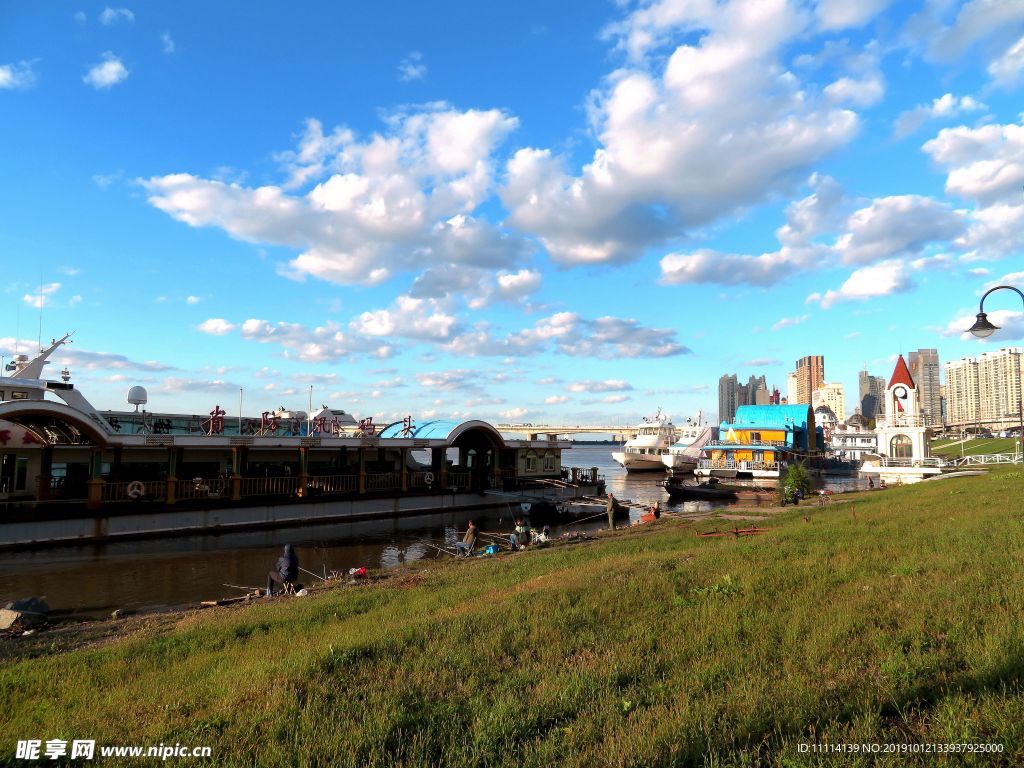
[
  {"x": 645, "y": 451},
  {"x": 683, "y": 454}
]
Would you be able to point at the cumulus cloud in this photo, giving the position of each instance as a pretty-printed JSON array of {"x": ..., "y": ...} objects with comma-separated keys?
[
  {"x": 569, "y": 334},
  {"x": 861, "y": 91},
  {"x": 395, "y": 202},
  {"x": 806, "y": 219},
  {"x": 42, "y": 297},
  {"x": 107, "y": 73},
  {"x": 412, "y": 67},
  {"x": 787, "y": 322},
  {"x": 895, "y": 225},
  {"x": 985, "y": 164},
  {"x": 721, "y": 125},
  {"x": 556, "y": 400},
  {"x": 608, "y": 385},
  {"x": 513, "y": 413},
  {"x": 834, "y": 15},
  {"x": 882, "y": 279},
  {"x": 1006, "y": 70},
  {"x": 17, "y": 76},
  {"x": 216, "y": 326},
  {"x": 990, "y": 22},
  {"x": 110, "y": 16},
  {"x": 409, "y": 318},
  {"x": 167, "y": 42},
  {"x": 944, "y": 106}
]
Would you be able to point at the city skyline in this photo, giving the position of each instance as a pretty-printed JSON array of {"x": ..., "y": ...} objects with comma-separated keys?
[{"x": 521, "y": 216}]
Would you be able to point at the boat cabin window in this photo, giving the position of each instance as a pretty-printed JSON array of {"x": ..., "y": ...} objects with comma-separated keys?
[
  {"x": 2, "y": 395},
  {"x": 549, "y": 463},
  {"x": 755, "y": 437},
  {"x": 531, "y": 463},
  {"x": 19, "y": 395}
]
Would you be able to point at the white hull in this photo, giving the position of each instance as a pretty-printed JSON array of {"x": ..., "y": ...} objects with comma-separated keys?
[
  {"x": 633, "y": 462},
  {"x": 679, "y": 464}
]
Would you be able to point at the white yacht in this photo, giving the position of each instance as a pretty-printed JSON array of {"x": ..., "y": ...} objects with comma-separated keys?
[
  {"x": 690, "y": 439},
  {"x": 644, "y": 452}
]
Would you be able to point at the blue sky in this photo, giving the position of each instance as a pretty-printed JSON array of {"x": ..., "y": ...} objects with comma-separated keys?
[{"x": 568, "y": 211}]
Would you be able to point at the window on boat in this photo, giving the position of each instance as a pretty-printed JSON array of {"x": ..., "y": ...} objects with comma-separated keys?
[
  {"x": 549, "y": 463},
  {"x": 13, "y": 472},
  {"x": 16, "y": 395},
  {"x": 531, "y": 463}
]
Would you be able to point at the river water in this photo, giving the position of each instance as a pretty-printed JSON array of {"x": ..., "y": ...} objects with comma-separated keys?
[{"x": 94, "y": 579}]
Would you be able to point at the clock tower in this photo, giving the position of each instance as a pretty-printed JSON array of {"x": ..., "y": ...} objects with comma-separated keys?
[{"x": 902, "y": 434}]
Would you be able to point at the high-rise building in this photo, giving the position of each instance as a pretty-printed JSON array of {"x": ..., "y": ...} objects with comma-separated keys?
[
  {"x": 924, "y": 367},
  {"x": 728, "y": 391},
  {"x": 732, "y": 394},
  {"x": 810, "y": 375},
  {"x": 985, "y": 390},
  {"x": 872, "y": 391},
  {"x": 833, "y": 395}
]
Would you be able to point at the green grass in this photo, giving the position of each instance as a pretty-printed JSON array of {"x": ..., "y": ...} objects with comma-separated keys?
[
  {"x": 974, "y": 447},
  {"x": 895, "y": 617}
]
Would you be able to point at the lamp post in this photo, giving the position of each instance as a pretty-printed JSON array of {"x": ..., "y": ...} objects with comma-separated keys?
[{"x": 983, "y": 328}]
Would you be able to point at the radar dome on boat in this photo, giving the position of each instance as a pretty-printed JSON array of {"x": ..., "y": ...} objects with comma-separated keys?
[{"x": 138, "y": 396}]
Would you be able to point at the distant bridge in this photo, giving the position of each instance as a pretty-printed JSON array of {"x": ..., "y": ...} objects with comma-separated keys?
[{"x": 533, "y": 430}]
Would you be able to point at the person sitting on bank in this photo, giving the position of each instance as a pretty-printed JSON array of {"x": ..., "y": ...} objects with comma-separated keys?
[
  {"x": 656, "y": 510},
  {"x": 286, "y": 572},
  {"x": 465, "y": 547},
  {"x": 522, "y": 533}
]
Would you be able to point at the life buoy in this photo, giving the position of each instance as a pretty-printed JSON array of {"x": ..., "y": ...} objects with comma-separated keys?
[
  {"x": 136, "y": 490},
  {"x": 525, "y": 506},
  {"x": 428, "y": 478}
]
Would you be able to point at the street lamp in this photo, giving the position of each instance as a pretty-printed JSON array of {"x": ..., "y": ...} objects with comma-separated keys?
[{"x": 982, "y": 328}]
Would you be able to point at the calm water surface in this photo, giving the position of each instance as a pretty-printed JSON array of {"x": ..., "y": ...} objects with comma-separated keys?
[{"x": 93, "y": 579}]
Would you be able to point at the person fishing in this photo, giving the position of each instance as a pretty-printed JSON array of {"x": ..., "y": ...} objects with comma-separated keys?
[
  {"x": 465, "y": 547},
  {"x": 612, "y": 507},
  {"x": 285, "y": 572}
]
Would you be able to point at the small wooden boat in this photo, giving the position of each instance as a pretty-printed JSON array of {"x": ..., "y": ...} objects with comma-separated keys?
[{"x": 712, "y": 489}]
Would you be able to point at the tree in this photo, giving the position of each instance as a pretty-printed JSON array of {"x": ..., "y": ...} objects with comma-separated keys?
[{"x": 797, "y": 476}]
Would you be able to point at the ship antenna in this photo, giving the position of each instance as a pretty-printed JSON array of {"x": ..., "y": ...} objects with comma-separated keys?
[{"x": 40, "y": 338}]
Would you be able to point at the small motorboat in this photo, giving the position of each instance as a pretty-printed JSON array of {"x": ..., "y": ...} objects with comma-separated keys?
[{"x": 711, "y": 489}]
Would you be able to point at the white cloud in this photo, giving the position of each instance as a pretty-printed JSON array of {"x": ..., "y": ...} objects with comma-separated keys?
[
  {"x": 80, "y": 17},
  {"x": 216, "y": 326},
  {"x": 110, "y": 16},
  {"x": 842, "y": 14},
  {"x": 608, "y": 385},
  {"x": 569, "y": 334},
  {"x": 896, "y": 225},
  {"x": 984, "y": 164},
  {"x": 760, "y": 362},
  {"x": 412, "y": 67},
  {"x": 409, "y": 318},
  {"x": 192, "y": 300},
  {"x": 977, "y": 21},
  {"x": 556, "y": 400},
  {"x": 107, "y": 73},
  {"x": 723, "y": 125},
  {"x": 806, "y": 219},
  {"x": 17, "y": 76},
  {"x": 167, "y": 42},
  {"x": 393, "y": 203},
  {"x": 861, "y": 92},
  {"x": 882, "y": 279},
  {"x": 75, "y": 300},
  {"x": 514, "y": 413},
  {"x": 945, "y": 106},
  {"x": 42, "y": 297},
  {"x": 787, "y": 322},
  {"x": 612, "y": 399}
]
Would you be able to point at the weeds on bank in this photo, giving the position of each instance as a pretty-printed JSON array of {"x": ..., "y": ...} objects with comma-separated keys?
[{"x": 654, "y": 647}]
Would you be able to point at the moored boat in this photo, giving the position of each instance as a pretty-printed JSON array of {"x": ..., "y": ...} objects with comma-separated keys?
[{"x": 643, "y": 453}]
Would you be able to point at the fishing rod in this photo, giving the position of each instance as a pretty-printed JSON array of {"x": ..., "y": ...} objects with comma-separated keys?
[
  {"x": 314, "y": 575},
  {"x": 238, "y": 586},
  {"x": 584, "y": 519}
]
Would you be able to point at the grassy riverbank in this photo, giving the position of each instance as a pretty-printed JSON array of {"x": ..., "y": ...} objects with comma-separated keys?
[{"x": 892, "y": 617}]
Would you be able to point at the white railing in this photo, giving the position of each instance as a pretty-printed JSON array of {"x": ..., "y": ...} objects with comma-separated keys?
[
  {"x": 985, "y": 459},
  {"x": 745, "y": 465},
  {"x": 932, "y": 461}
]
